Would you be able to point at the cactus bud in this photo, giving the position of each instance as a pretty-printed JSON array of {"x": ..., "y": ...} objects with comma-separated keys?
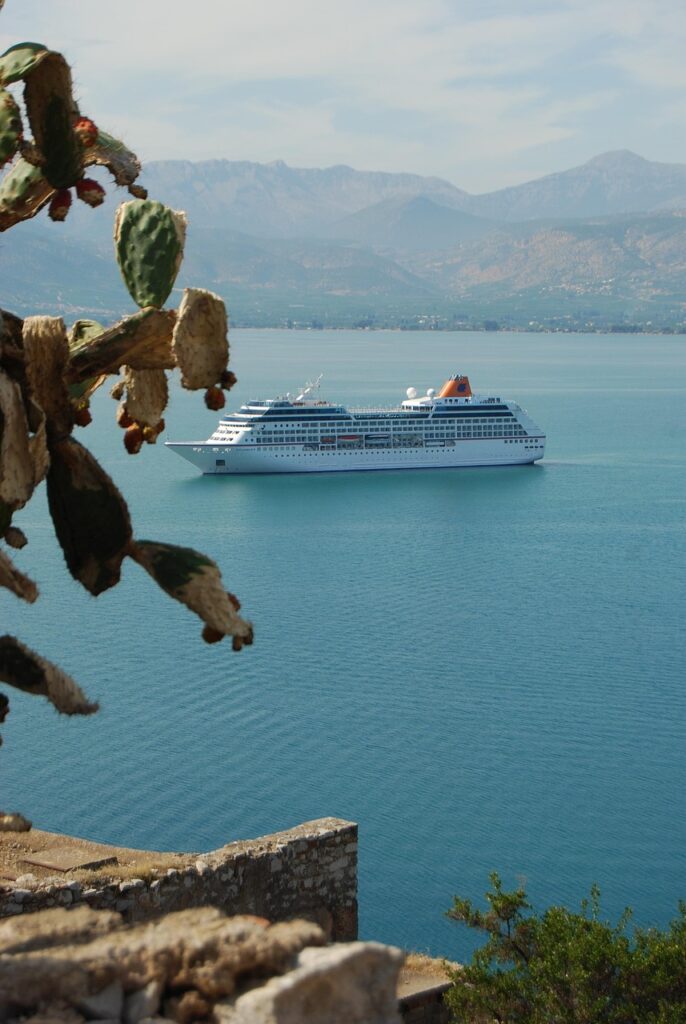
[
  {"x": 233, "y": 600},
  {"x": 59, "y": 206},
  {"x": 212, "y": 636},
  {"x": 214, "y": 398},
  {"x": 150, "y": 434},
  {"x": 138, "y": 192},
  {"x": 86, "y": 132},
  {"x": 90, "y": 192},
  {"x": 123, "y": 418},
  {"x": 133, "y": 439},
  {"x": 82, "y": 415},
  {"x": 227, "y": 380},
  {"x": 117, "y": 390}
]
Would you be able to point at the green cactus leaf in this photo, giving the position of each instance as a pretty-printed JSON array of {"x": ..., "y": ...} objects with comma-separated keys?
[
  {"x": 23, "y": 192},
  {"x": 89, "y": 514},
  {"x": 20, "y": 60},
  {"x": 193, "y": 579},
  {"x": 24, "y": 669},
  {"x": 10, "y": 127},
  {"x": 149, "y": 240}
]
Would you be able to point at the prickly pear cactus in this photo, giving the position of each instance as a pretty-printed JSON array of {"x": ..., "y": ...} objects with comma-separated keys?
[
  {"x": 149, "y": 240},
  {"x": 48, "y": 374},
  {"x": 10, "y": 127}
]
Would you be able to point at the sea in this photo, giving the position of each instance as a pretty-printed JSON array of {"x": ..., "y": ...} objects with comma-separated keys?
[{"x": 484, "y": 668}]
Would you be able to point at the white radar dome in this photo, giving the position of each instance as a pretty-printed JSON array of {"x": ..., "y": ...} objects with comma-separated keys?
[
  {"x": 411, "y": 392},
  {"x": 431, "y": 392}
]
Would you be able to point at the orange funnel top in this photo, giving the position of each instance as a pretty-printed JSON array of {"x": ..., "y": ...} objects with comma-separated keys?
[{"x": 456, "y": 387}]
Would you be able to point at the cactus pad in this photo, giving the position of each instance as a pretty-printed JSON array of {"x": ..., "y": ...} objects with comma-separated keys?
[
  {"x": 10, "y": 127},
  {"x": 149, "y": 240},
  {"x": 20, "y": 60},
  {"x": 90, "y": 516},
  {"x": 23, "y": 192},
  {"x": 194, "y": 580},
  {"x": 123, "y": 165},
  {"x": 200, "y": 343}
]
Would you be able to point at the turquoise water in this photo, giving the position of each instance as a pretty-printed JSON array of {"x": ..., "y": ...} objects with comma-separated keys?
[{"x": 484, "y": 667}]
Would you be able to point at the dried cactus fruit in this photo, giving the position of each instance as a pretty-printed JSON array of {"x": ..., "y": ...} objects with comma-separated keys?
[
  {"x": 194, "y": 579},
  {"x": 133, "y": 439},
  {"x": 123, "y": 419},
  {"x": 18, "y": 62},
  {"x": 23, "y": 668},
  {"x": 149, "y": 239},
  {"x": 90, "y": 192},
  {"x": 89, "y": 514},
  {"x": 200, "y": 342},
  {"x": 10, "y": 127},
  {"x": 24, "y": 191},
  {"x": 214, "y": 399},
  {"x": 82, "y": 415},
  {"x": 60, "y": 204}
]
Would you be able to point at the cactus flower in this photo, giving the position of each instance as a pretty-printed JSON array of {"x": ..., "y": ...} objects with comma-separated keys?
[
  {"x": 59, "y": 205},
  {"x": 90, "y": 192}
]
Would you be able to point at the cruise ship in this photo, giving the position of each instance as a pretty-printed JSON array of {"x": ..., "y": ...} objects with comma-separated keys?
[{"x": 306, "y": 434}]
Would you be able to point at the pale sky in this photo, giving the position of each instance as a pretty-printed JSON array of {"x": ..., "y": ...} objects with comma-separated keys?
[{"x": 485, "y": 94}]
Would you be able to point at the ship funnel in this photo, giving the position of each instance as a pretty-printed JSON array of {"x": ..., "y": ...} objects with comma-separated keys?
[{"x": 456, "y": 387}]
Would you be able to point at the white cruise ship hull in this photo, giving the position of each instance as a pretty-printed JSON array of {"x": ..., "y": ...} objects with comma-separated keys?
[{"x": 216, "y": 459}]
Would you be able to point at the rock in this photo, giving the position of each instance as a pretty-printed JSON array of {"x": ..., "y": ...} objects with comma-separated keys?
[
  {"x": 198, "y": 950},
  {"x": 349, "y": 983},
  {"x": 142, "y": 1004},
  {"x": 105, "y": 1005}
]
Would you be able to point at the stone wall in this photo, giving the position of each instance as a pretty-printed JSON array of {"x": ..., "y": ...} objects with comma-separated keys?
[
  {"x": 308, "y": 872},
  {"x": 426, "y": 1006}
]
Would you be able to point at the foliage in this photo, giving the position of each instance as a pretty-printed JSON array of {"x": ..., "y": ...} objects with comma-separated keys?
[
  {"x": 562, "y": 967},
  {"x": 48, "y": 374}
]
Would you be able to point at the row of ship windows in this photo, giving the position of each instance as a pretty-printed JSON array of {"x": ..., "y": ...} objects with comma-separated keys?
[{"x": 437, "y": 432}]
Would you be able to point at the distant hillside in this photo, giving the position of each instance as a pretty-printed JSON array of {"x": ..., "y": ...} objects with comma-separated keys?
[
  {"x": 416, "y": 223},
  {"x": 639, "y": 258},
  {"x": 618, "y": 182}
]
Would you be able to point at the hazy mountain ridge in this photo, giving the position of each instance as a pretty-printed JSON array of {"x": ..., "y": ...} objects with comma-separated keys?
[{"x": 376, "y": 241}]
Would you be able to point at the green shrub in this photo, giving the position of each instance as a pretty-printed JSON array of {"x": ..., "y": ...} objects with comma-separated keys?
[{"x": 562, "y": 967}]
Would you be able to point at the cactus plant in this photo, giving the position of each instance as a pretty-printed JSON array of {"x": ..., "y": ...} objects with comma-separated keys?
[
  {"x": 149, "y": 240},
  {"x": 47, "y": 374}
]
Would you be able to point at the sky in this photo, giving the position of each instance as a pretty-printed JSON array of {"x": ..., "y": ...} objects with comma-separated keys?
[{"x": 485, "y": 94}]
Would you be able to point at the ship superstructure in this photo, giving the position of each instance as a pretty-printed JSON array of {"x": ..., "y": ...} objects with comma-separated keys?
[{"x": 451, "y": 428}]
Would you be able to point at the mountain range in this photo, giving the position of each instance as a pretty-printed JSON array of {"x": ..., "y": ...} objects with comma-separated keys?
[{"x": 605, "y": 241}]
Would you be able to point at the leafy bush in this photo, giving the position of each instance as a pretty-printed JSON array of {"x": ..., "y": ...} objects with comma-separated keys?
[{"x": 562, "y": 967}]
